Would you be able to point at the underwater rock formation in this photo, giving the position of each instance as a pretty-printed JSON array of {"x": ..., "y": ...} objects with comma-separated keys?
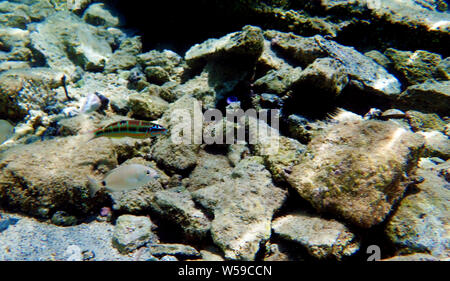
[{"x": 350, "y": 82}]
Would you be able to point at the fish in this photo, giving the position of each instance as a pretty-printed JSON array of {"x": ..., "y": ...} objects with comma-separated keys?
[
  {"x": 232, "y": 99},
  {"x": 130, "y": 128},
  {"x": 124, "y": 178}
]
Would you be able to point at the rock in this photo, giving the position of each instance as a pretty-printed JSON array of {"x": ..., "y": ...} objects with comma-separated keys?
[
  {"x": 124, "y": 58},
  {"x": 302, "y": 50},
  {"x": 302, "y": 129},
  {"x": 157, "y": 75},
  {"x": 429, "y": 97},
  {"x": 436, "y": 145},
  {"x": 237, "y": 152},
  {"x": 443, "y": 69},
  {"x": 210, "y": 169},
  {"x": 78, "y": 6},
  {"x": 73, "y": 253},
  {"x": 269, "y": 59},
  {"x": 326, "y": 74},
  {"x": 421, "y": 221},
  {"x": 413, "y": 257},
  {"x": 197, "y": 87},
  {"x": 52, "y": 174},
  {"x": 243, "y": 208},
  {"x": 364, "y": 73},
  {"x": 279, "y": 163},
  {"x": 66, "y": 42},
  {"x": 132, "y": 232},
  {"x": 63, "y": 219},
  {"x": 178, "y": 250},
  {"x": 24, "y": 241},
  {"x": 356, "y": 169},
  {"x": 425, "y": 121},
  {"x": 100, "y": 14},
  {"x": 322, "y": 238},
  {"x": 379, "y": 58},
  {"x": 246, "y": 44},
  {"x": 147, "y": 107},
  {"x": 178, "y": 207},
  {"x": 279, "y": 152},
  {"x": 211, "y": 254},
  {"x": 414, "y": 68},
  {"x": 392, "y": 114},
  {"x": 14, "y": 42},
  {"x": 277, "y": 81},
  {"x": 174, "y": 156},
  {"x": 171, "y": 62},
  {"x": 14, "y": 14},
  {"x": 168, "y": 258},
  {"x": 8, "y": 65}
]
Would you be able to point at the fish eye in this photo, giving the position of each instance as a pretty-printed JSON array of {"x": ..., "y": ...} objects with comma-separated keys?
[
  {"x": 148, "y": 172},
  {"x": 104, "y": 183}
]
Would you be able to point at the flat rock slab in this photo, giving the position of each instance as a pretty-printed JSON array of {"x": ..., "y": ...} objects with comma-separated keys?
[
  {"x": 322, "y": 238},
  {"x": 177, "y": 250}
]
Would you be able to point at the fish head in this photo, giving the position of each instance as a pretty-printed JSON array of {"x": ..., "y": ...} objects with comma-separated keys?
[
  {"x": 148, "y": 174},
  {"x": 158, "y": 129}
]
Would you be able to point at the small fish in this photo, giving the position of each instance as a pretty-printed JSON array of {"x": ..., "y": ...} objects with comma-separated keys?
[
  {"x": 130, "y": 128},
  {"x": 232, "y": 99},
  {"x": 122, "y": 178}
]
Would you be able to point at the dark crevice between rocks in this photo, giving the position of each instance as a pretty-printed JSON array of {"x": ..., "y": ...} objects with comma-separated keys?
[
  {"x": 177, "y": 25},
  {"x": 360, "y": 102},
  {"x": 380, "y": 35},
  {"x": 310, "y": 102}
]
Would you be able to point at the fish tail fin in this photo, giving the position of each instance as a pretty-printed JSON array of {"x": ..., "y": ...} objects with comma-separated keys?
[{"x": 93, "y": 186}]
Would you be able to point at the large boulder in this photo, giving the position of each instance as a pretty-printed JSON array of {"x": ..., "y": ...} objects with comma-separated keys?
[
  {"x": 243, "y": 208},
  {"x": 246, "y": 44},
  {"x": 48, "y": 176},
  {"x": 177, "y": 206},
  {"x": 357, "y": 169},
  {"x": 414, "y": 68}
]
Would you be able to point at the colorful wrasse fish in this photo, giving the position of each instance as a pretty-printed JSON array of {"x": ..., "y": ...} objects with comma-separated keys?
[{"x": 130, "y": 128}]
